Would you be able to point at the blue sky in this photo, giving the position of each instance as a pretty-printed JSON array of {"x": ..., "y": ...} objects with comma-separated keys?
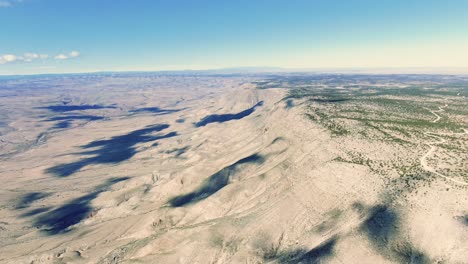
[{"x": 43, "y": 36}]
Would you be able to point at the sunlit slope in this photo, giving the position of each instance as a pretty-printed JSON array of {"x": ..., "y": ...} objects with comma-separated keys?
[{"x": 230, "y": 171}]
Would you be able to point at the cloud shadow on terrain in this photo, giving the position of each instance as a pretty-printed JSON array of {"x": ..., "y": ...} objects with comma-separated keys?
[
  {"x": 26, "y": 200},
  {"x": 329, "y": 100},
  {"x": 383, "y": 229},
  {"x": 113, "y": 150},
  {"x": 381, "y": 225},
  {"x": 464, "y": 220},
  {"x": 62, "y": 124},
  {"x": 305, "y": 256},
  {"x": 60, "y": 219},
  {"x": 177, "y": 152},
  {"x": 226, "y": 117},
  {"x": 289, "y": 104},
  {"x": 65, "y": 121},
  {"x": 35, "y": 211},
  {"x": 75, "y": 117},
  {"x": 155, "y": 110},
  {"x": 331, "y": 222},
  {"x": 68, "y": 108},
  {"x": 214, "y": 183}
]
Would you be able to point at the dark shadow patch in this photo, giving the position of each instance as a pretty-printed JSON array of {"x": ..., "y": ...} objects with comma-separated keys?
[
  {"x": 62, "y": 125},
  {"x": 26, "y": 200},
  {"x": 62, "y": 218},
  {"x": 180, "y": 120},
  {"x": 177, "y": 152},
  {"x": 289, "y": 104},
  {"x": 329, "y": 100},
  {"x": 155, "y": 110},
  {"x": 113, "y": 150},
  {"x": 68, "y": 108},
  {"x": 277, "y": 139},
  {"x": 227, "y": 117},
  {"x": 406, "y": 253},
  {"x": 462, "y": 219},
  {"x": 65, "y": 121},
  {"x": 382, "y": 228},
  {"x": 465, "y": 220},
  {"x": 214, "y": 183},
  {"x": 75, "y": 117},
  {"x": 330, "y": 222},
  {"x": 35, "y": 212},
  {"x": 305, "y": 256}
]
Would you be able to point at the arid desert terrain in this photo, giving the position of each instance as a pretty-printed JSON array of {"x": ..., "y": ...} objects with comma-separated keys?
[{"x": 258, "y": 168}]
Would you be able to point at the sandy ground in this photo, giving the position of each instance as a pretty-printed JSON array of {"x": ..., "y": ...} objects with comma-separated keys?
[{"x": 259, "y": 185}]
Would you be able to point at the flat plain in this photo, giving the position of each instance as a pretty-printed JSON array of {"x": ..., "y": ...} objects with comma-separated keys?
[{"x": 278, "y": 168}]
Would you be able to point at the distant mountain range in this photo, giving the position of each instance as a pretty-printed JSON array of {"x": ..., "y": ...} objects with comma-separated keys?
[{"x": 264, "y": 70}]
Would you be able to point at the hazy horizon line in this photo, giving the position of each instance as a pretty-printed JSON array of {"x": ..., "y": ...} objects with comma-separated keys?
[{"x": 273, "y": 69}]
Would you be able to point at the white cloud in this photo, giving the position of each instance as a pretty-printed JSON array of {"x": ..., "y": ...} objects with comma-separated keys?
[
  {"x": 74, "y": 54},
  {"x": 27, "y": 57},
  {"x": 70, "y": 55},
  {"x": 61, "y": 57},
  {"x": 30, "y": 57},
  {"x": 7, "y": 58}
]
